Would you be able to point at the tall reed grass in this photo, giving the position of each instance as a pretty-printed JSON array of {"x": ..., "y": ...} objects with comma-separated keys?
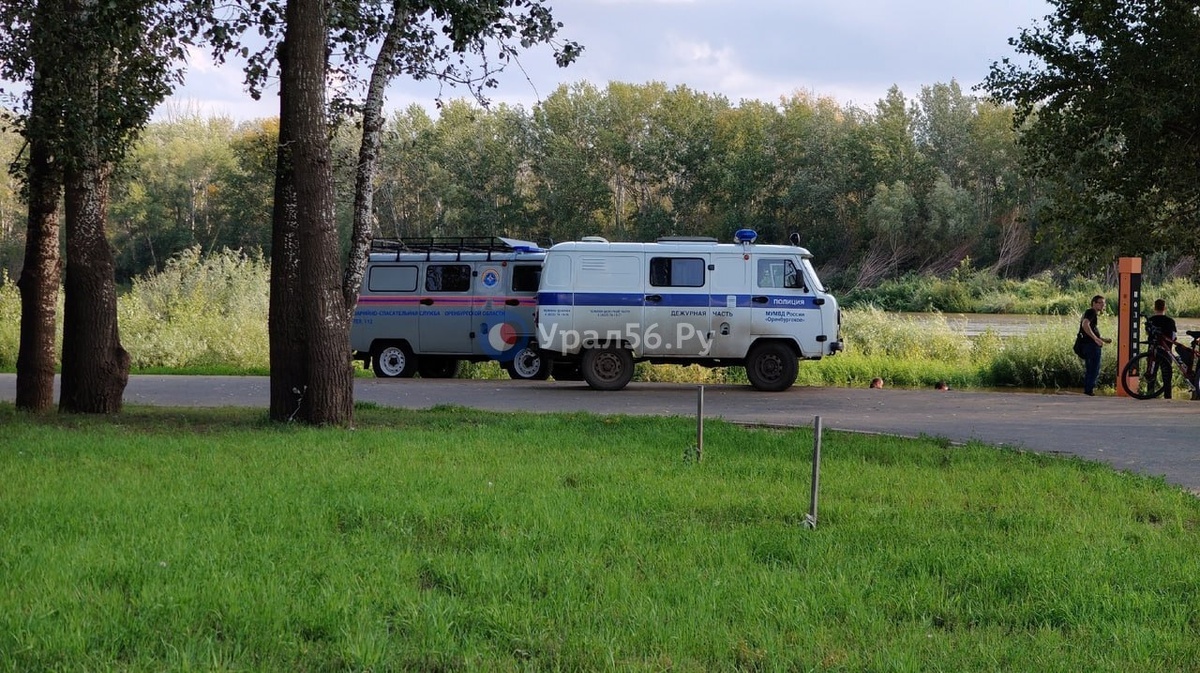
[
  {"x": 968, "y": 290},
  {"x": 10, "y": 322},
  {"x": 199, "y": 311}
]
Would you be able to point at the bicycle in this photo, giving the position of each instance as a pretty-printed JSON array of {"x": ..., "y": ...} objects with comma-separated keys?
[{"x": 1146, "y": 366}]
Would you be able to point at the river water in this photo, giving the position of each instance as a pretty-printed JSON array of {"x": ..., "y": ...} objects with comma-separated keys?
[{"x": 974, "y": 324}]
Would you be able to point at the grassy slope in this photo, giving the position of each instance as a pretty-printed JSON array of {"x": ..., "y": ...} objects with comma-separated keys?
[{"x": 455, "y": 540}]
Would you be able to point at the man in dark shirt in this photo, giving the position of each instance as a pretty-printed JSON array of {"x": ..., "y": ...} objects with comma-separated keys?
[
  {"x": 1089, "y": 329},
  {"x": 1166, "y": 329}
]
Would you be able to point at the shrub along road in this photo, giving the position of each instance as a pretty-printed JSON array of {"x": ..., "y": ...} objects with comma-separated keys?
[{"x": 1155, "y": 437}]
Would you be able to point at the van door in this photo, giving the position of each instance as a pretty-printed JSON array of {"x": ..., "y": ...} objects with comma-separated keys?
[
  {"x": 729, "y": 305},
  {"x": 676, "y": 319},
  {"x": 504, "y": 308},
  {"x": 488, "y": 308},
  {"x": 446, "y": 308},
  {"x": 783, "y": 305},
  {"x": 521, "y": 303}
]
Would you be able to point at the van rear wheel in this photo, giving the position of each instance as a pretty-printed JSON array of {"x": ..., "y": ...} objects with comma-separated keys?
[
  {"x": 772, "y": 367},
  {"x": 393, "y": 360},
  {"x": 437, "y": 367},
  {"x": 529, "y": 364},
  {"x": 607, "y": 368}
]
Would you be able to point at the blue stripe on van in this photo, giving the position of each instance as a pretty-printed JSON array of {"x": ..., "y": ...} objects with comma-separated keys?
[
  {"x": 590, "y": 299},
  {"x": 673, "y": 300}
]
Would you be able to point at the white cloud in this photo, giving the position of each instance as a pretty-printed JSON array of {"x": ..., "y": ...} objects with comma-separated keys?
[{"x": 852, "y": 50}]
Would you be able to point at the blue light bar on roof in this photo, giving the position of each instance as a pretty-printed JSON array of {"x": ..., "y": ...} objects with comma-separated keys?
[{"x": 745, "y": 236}]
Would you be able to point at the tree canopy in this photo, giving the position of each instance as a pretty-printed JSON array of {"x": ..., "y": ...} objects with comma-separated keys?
[{"x": 1109, "y": 102}]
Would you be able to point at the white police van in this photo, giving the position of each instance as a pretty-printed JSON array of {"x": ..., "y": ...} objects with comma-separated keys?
[
  {"x": 426, "y": 305},
  {"x": 602, "y": 306}
]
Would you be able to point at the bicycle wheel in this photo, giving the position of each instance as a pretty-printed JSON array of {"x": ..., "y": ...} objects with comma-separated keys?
[{"x": 1149, "y": 382}]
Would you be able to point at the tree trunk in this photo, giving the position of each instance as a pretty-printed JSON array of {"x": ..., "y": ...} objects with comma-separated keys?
[
  {"x": 327, "y": 396},
  {"x": 95, "y": 367},
  {"x": 42, "y": 271},
  {"x": 39, "y": 283},
  {"x": 368, "y": 158},
  {"x": 285, "y": 332}
]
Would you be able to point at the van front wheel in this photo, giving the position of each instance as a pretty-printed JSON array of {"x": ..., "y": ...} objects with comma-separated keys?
[
  {"x": 771, "y": 367},
  {"x": 608, "y": 368},
  {"x": 392, "y": 360}
]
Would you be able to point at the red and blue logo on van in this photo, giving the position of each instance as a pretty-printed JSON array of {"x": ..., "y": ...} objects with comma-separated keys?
[
  {"x": 502, "y": 337},
  {"x": 490, "y": 278},
  {"x": 504, "y": 340}
]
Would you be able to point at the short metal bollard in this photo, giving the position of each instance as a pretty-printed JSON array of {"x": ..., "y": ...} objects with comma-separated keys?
[{"x": 811, "y": 519}]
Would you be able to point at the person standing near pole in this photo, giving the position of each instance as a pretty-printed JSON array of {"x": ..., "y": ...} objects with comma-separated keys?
[
  {"x": 1165, "y": 325},
  {"x": 1089, "y": 327}
]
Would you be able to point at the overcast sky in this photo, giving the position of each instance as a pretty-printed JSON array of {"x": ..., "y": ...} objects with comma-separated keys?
[{"x": 851, "y": 50}]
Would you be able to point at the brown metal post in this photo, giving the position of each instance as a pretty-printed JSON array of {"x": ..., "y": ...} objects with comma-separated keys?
[{"x": 1129, "y": 289}]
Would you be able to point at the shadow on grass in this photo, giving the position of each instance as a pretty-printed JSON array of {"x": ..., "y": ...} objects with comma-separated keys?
[{"x": 207, "y": 420}]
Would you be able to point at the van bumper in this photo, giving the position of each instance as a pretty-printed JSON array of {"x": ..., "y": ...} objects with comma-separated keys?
[{"x": 837, "y": 347}]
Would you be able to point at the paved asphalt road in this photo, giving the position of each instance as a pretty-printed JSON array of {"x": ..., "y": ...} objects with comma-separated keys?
[{"x": 1156, "y": 437}]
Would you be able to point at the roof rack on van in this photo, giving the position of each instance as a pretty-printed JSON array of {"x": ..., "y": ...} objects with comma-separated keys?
[{"x": 455, "y": 245}]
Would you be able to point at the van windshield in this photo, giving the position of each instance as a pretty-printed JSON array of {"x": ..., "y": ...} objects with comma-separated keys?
[{"x": 812, "y": 274}]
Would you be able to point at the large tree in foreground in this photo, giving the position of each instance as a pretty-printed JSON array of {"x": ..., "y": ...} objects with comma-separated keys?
[
  {"x": 312, "y": 298},
  {"x": 1109, "y": 103},
  {"x": 309, "y": 329},
  {"x": 93, "y": 71},
  {"x": 42, "y": 182}
]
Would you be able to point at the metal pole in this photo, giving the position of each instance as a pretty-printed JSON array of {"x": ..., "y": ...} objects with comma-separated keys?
[
  {"x": 699, "y": 423},
  {"x": 811, "y": 519}
]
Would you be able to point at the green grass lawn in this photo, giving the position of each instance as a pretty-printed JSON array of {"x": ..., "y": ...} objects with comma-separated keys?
[{"x": 450, "y": 540}]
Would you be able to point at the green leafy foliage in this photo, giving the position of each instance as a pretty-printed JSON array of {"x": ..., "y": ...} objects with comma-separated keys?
[
  {"x": 1107, "y": 102},
  {"x": 626, "y": 161}
]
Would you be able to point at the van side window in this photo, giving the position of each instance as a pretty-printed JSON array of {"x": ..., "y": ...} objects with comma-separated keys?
[
  {"x": 525, "y": 278},
  {"x": 676, "y": 272},
  {"x": 448, "y": 278},
  {"x": 779, "y": 273},
  {"x": 392, "y": 279}
]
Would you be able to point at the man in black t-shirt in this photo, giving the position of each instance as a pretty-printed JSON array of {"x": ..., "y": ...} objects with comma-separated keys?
[
  {"x": 1089, "y": 329},
  {"x": 1165, "y": 325}
]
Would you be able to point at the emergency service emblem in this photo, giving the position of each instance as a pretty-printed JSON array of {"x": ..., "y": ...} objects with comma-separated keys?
[{"x": 490, "y": 278}]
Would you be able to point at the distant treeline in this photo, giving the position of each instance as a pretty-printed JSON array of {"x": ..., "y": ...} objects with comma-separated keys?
[{"x": 909, "y": 186}]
